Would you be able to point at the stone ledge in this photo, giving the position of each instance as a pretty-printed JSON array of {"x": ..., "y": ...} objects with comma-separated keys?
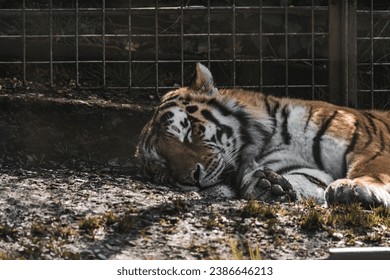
[{"x": 60, "y": 129}]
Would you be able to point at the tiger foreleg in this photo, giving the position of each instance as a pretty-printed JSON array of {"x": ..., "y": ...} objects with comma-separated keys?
[
  {"x": 367, "y": 182},
  {"x": 266, "y": 185},
  {"x": 360, "y": 190}
]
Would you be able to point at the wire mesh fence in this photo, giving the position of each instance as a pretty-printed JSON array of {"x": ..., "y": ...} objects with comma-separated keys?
[
  {"x": 148, "y": 47},
  {"x": 373, "y": 60}
]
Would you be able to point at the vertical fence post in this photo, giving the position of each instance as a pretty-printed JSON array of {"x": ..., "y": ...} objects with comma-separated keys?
[
  {"x": 51, "y": 41},
  {"x": 156, "y": 46},
  {"x": 24, "y": 44},
  {"x": 77, "y": 44},
  {"x": 130, "y": 81},
  {"x": 104, "y": 43},
  {"x": 342, "y": 52}
]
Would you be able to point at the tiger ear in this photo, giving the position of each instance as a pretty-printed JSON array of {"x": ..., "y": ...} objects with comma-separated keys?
[{"x": 203, "y": 80}]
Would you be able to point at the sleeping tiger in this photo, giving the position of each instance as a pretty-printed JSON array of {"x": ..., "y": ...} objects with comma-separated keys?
[{"x": 255, "y": 146}]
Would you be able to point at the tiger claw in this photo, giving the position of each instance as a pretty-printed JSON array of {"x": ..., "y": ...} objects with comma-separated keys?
[{"x": 266, "y": 185}]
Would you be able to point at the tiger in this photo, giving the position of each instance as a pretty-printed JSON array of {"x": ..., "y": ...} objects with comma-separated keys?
[{"x": 251, "y": 145}]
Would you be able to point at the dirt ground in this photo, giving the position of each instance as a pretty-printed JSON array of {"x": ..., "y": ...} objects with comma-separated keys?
[
  {"x": 69, "y": 190},
  {"x": 63, "y": 213}
]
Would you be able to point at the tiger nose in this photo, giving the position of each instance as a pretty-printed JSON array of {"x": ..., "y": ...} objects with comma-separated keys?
[{"x": 196, "y": 172}]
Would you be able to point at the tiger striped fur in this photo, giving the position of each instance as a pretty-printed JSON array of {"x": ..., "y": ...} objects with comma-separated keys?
[{"x": 202, "y": 137}]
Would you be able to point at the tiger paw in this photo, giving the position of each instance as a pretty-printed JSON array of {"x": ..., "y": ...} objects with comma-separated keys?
[
  {"x": 346, "y": 191},
  {"x": 266, "y": 185}
]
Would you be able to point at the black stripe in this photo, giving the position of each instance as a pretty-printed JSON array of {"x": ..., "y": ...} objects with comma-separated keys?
[
  {"x": 317, "y": 141},
  {"x": 245, "y": 125},
  {"x": 192, "y": 109},
  {"x": 371, "y": 122},
  {"x": 174, "y": 97},
  {"x": 221, "y": 108},
  {"x": 309, "y": 118},
  {"x": 369, "y": 135},
  {"x": 289, "y": 168},
  {"x": 312, "y": 179},
  {"x": 166, "y": 105},
  {"x": 267, "y": 105},
  {"x": 382, "y": 148},
  {"x": 285, "y": 134},
  {"x": 272, "y": 111},
  {"x": 209, "y": 116},
  {"x": 217, "y": 171},
  {"x": 275, "y": 109},
  {"x": 194, "y": 120},
  {"x": 351, "y": 147},
  {"x": 379, "y": 120},
  {"x": 271, "y": 161},
  {"x": 377, "y": 178}
]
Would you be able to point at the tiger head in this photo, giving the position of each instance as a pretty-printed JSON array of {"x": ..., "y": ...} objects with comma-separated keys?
[{"x": 195, "y": 137}]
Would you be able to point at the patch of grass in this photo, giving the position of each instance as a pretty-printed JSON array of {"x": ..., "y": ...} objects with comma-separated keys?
[
  {"x": 251, "y": 252},
  {"x": 254, "y": 208},
  {"x": 126, "y": 223},
  {"x": 204, "y": 250},
  {"x": 383, "y": 213},
  {"x": 237, "y": 254},
  {"x": 312, "y": 221},
  {"x": 90, "y": 225},
  {"x": 180, "y": 205},
  {"x": 64, "y": 231},
  {"x": 5, "y": 256},
  {"x": 68, "y": 255},
  {"x": 110, "y": 218},
  {"x": 39, "y": 229},
  {"x": 254, "y": 252},
  {"x": 176, "y": 207},
  {"x": 373, "y": 237},
  {"x": 352, "y": 216},
  {"x": 6, "y": 230},
  {"x": 214, "y": 221}
]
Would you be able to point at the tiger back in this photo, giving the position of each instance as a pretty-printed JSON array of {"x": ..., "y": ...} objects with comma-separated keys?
[{"x": 267, "y": 148}]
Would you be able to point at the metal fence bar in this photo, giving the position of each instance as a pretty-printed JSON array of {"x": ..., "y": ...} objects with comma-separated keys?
[
  {"x": 42, "y": 36},
  {"x": 372, "y": 86},
  {"x": 261, "y": 44},
  {"x": 343, "y": 53},
  {"x": 234, "y": 42},
  {"x": 208, "y": 32},
  {"x": 156, "y": 47},
  {"x": 175, "y": 61},
  {"x": 24, "y": 43},
  {"x": 77, "y": 44},
  {"x": 351, "y": 50},
  {"x": 123, "y": 10},
  {"x": 286, "y": 45},
  {"x": 129, "y": 84},
  {"x": 51, "y": 40},
  {"x": 312, "y": 52},
  {"x": 104, "y": 42},
  {"x": 182, "y": 44}
]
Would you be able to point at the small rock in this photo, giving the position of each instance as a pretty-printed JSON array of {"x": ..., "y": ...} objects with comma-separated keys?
[
  {"x": 337, "y": 235},
  {"x": 131, "y": 244},
  {"x": 101, "y": 256}
]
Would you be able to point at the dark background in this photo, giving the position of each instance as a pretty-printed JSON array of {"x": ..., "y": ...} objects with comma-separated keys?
[{"x": 141, "y": 49}]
